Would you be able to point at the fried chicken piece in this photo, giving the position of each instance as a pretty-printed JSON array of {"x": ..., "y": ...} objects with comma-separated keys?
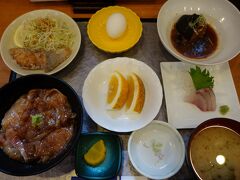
[
  {"x": 35, "y": 60},
  {"x": 28, "y": 59}
]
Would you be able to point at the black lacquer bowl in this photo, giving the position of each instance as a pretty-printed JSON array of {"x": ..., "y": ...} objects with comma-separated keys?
[
  {"x": 10, "y": 93},
  {"x": 219, "y": 158}
]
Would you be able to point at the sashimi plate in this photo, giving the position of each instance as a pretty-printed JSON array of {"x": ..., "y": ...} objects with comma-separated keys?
[
  {"x": 178, "y": 84},
  {"x": 95, "y": 93}
]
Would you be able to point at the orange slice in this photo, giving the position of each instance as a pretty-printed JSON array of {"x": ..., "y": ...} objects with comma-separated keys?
[
  {"x": 130, "y": 91},
  {"x": 96, "y": 154},
  {"x": 136, "y": 94},
  {"x": 117, "y": 91}
]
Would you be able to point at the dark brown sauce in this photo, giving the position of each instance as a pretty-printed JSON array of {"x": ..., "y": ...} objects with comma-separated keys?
[{"x": 199, "y": 48}]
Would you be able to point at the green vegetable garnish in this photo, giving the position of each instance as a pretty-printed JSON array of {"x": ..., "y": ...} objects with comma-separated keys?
[
  {"x": 37, "y": 119},
  {"x": 224, "y": 109},
  {"x": 199, "y": 22},
  {"x": 201, "y": 79},
  {"x": 156, "y": 147}
]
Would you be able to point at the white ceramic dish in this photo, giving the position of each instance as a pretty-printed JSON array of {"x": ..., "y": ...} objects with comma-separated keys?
[
  {"x": 178, "y": 84},
  {"x": 157, "y": 151},
  {"x": 7, "y": 40},
  {"x": 95, "y": 93},
  {"x": 220, "y": 14}
]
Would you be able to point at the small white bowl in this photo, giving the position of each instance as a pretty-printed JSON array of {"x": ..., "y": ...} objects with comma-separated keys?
[
  {"x": 157, "y": 151},
  {"x": 220, "y": 14},
  {"x": 7, "y": 40}
]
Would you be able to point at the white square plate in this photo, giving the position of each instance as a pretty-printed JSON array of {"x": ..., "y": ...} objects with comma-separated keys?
[{"x": 178, "y": 84}]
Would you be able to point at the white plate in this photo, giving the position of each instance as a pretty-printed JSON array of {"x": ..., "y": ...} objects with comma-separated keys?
[
  {"x": 7, "y": 41},
  {"x": 178, "y": 84},
  {"x": 157, "y": 151},
  {"x": 95, "y": 92},
  {"x": 220, "y": 14}
]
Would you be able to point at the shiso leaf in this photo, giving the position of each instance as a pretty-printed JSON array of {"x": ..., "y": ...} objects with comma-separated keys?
[{"x": 201, "y": 78}]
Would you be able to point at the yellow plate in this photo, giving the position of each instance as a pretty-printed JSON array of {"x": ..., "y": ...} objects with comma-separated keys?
[{"x": 96, "y": 30}]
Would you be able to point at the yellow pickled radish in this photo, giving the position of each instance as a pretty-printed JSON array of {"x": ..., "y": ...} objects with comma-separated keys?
[{"x": 96, "y": 154}]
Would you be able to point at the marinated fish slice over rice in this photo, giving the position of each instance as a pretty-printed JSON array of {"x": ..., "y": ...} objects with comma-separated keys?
[{"x": 38, "y": 126}]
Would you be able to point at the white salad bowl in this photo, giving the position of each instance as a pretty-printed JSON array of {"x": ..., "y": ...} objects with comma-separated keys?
[
  {"x": 7, "y": 40},
  {"x": 223, "y": 17}
]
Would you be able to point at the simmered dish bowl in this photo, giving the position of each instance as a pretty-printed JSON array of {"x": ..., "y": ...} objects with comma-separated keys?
[
  {"x": 214, "y": 148},
  {"x": 222, "y": 27},
  {"x": 41, "y": 119}
]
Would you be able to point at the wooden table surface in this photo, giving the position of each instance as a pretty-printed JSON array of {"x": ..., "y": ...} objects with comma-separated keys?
[{"x": 11, "y": 9}]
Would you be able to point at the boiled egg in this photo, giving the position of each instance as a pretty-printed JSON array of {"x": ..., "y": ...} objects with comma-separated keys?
[{"x": 116, "y": 25}]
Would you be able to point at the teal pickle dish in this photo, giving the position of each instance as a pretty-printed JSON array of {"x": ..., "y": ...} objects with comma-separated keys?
[{"x": 111, "y": 165}]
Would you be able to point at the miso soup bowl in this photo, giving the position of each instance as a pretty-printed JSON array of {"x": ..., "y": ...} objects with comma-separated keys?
[
  {"x": 221, "y": 15},
  {"x": 225, "y": 123}
]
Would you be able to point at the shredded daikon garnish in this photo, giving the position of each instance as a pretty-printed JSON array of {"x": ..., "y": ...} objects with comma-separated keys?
[{"x": 46, "y": 33}]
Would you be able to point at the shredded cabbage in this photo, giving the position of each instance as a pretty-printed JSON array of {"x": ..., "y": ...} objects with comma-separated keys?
[{"x": 46, "y": 33}]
